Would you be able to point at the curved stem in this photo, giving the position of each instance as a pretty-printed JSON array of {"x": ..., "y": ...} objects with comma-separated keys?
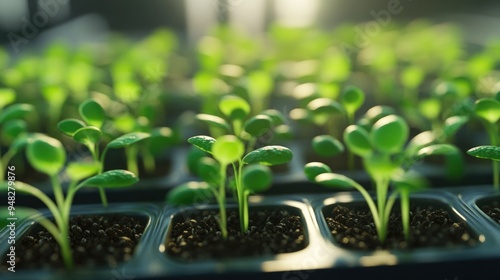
[
  {"x": 131, "y": 154},
  {"x": 4, "y": 162},
  {"x": 371, "y": 206},
  {"x": 493, "y": 134},
  {"x": 405, "y": 213},
  {"x": 102, "y": 193},
  {"x": 43, "y": 198},
  {"x": 221, "y": 199},
  {"x": 58, "y": 192},
  {"x": 62, "y": 238}
]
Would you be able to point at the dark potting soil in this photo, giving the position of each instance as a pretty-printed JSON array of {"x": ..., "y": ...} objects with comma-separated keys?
[
  {"x": 429, "y": 227},
  {"x": 95, "y": 241},
  {"x": 492, "y": 209},
  {"x": 198, "y": 236}
]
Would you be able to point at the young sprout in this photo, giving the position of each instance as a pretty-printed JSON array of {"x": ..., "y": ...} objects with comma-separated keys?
[
  {"x": 250, "y": 170},
  {"x": 382, "y": 148},
  {"x": 48, "y": 156},
  {"x": 88, "y": 132},
  {"x": 488, "y": 110},
  {"x": 13, "y": 128}
]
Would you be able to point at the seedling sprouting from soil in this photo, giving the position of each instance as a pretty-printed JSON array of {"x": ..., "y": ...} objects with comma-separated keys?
[
  {"x": 48, "y": 156},
  {"x": 385, "y": 158}
]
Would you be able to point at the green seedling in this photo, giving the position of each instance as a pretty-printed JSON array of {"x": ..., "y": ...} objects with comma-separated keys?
[
  {"x": 48, "y": 156},
  {"x": 488, "y": 110},
  {"x": 386, "y": 160},
  {"x": 251, "y": 173},
  {"x": 89, "y": 133},
  {"x": 13, "y": 127}
]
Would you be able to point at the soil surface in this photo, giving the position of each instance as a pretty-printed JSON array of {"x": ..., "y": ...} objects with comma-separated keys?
[
  {"x": 198, "y": 236},
  {"x": 429, "y": 227},
  {"x": 492, "y": 209},
  {"x": 95, "y": 241}
]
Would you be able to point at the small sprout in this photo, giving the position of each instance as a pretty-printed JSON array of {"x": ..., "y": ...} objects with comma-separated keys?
[
  {"x": 47, "y": 155},
  {"x": 352, "y": 98},
  {"x": 384, "y": 159},
  {"x": 214, "y": 121}
]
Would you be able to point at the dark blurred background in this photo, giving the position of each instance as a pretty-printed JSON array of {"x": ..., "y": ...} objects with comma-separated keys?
[{"x": 134, "y": 16}]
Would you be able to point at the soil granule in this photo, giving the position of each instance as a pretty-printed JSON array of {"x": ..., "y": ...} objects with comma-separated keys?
[
  {"x": 429, "y": 227},
  {"x": 492, "y": 209},
  {"x": 198, "y": 236},
  {"x": 95, "y": 241}
]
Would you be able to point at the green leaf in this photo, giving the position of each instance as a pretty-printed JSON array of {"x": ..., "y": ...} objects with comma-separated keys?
[
  {"x": 453, "y": 124},
  {"x": 202, "y": 142},
  {"x": 128, "y": 139},
  {"x": 214, "y": 121},
  {"x": 375, "y": 113},
  {"x": 227, "y": 149},
  {"x": 269, "y": 155},
  {"x": 15, "y": 111},
  {"x": 486, "y": 152},
  {"x": 325, "y": 106},
  {"x": 430, "y": 108},
  {"x": 46, "y": 155},
  {"x": 327, "y": 146},
  {"x": 352, "y": 98},
  {"x": 111, "y": 179},
  {"x": 81, "y": 170},
  {"x": 208, "y": 170},
  {"x": 258, "y": 125},
  {"x": 438, "y": 149},
  {"x": 88, "y": 135},
  {"x": 190, "y": 193},
  {"x": 389, "y": 134},
  {"x": 20, "y": 142},
  {"x": 313, "y": 169},
  {"x": 334, "y": 180},
  {"x": 488, "y": 109},
  {"x": 234, "y": 106},
  {"x": 92, "y": 113},
  {"x": 7, "y": 96},
  {"x": 257, "y": 178},
  {"x": 419, "y": 141},
  {"x": 70, "y": 126},
  {"x": 357, "y": 140},
  {"x": 13, "y": 128},
  {"x": 276, "y": 116}
]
